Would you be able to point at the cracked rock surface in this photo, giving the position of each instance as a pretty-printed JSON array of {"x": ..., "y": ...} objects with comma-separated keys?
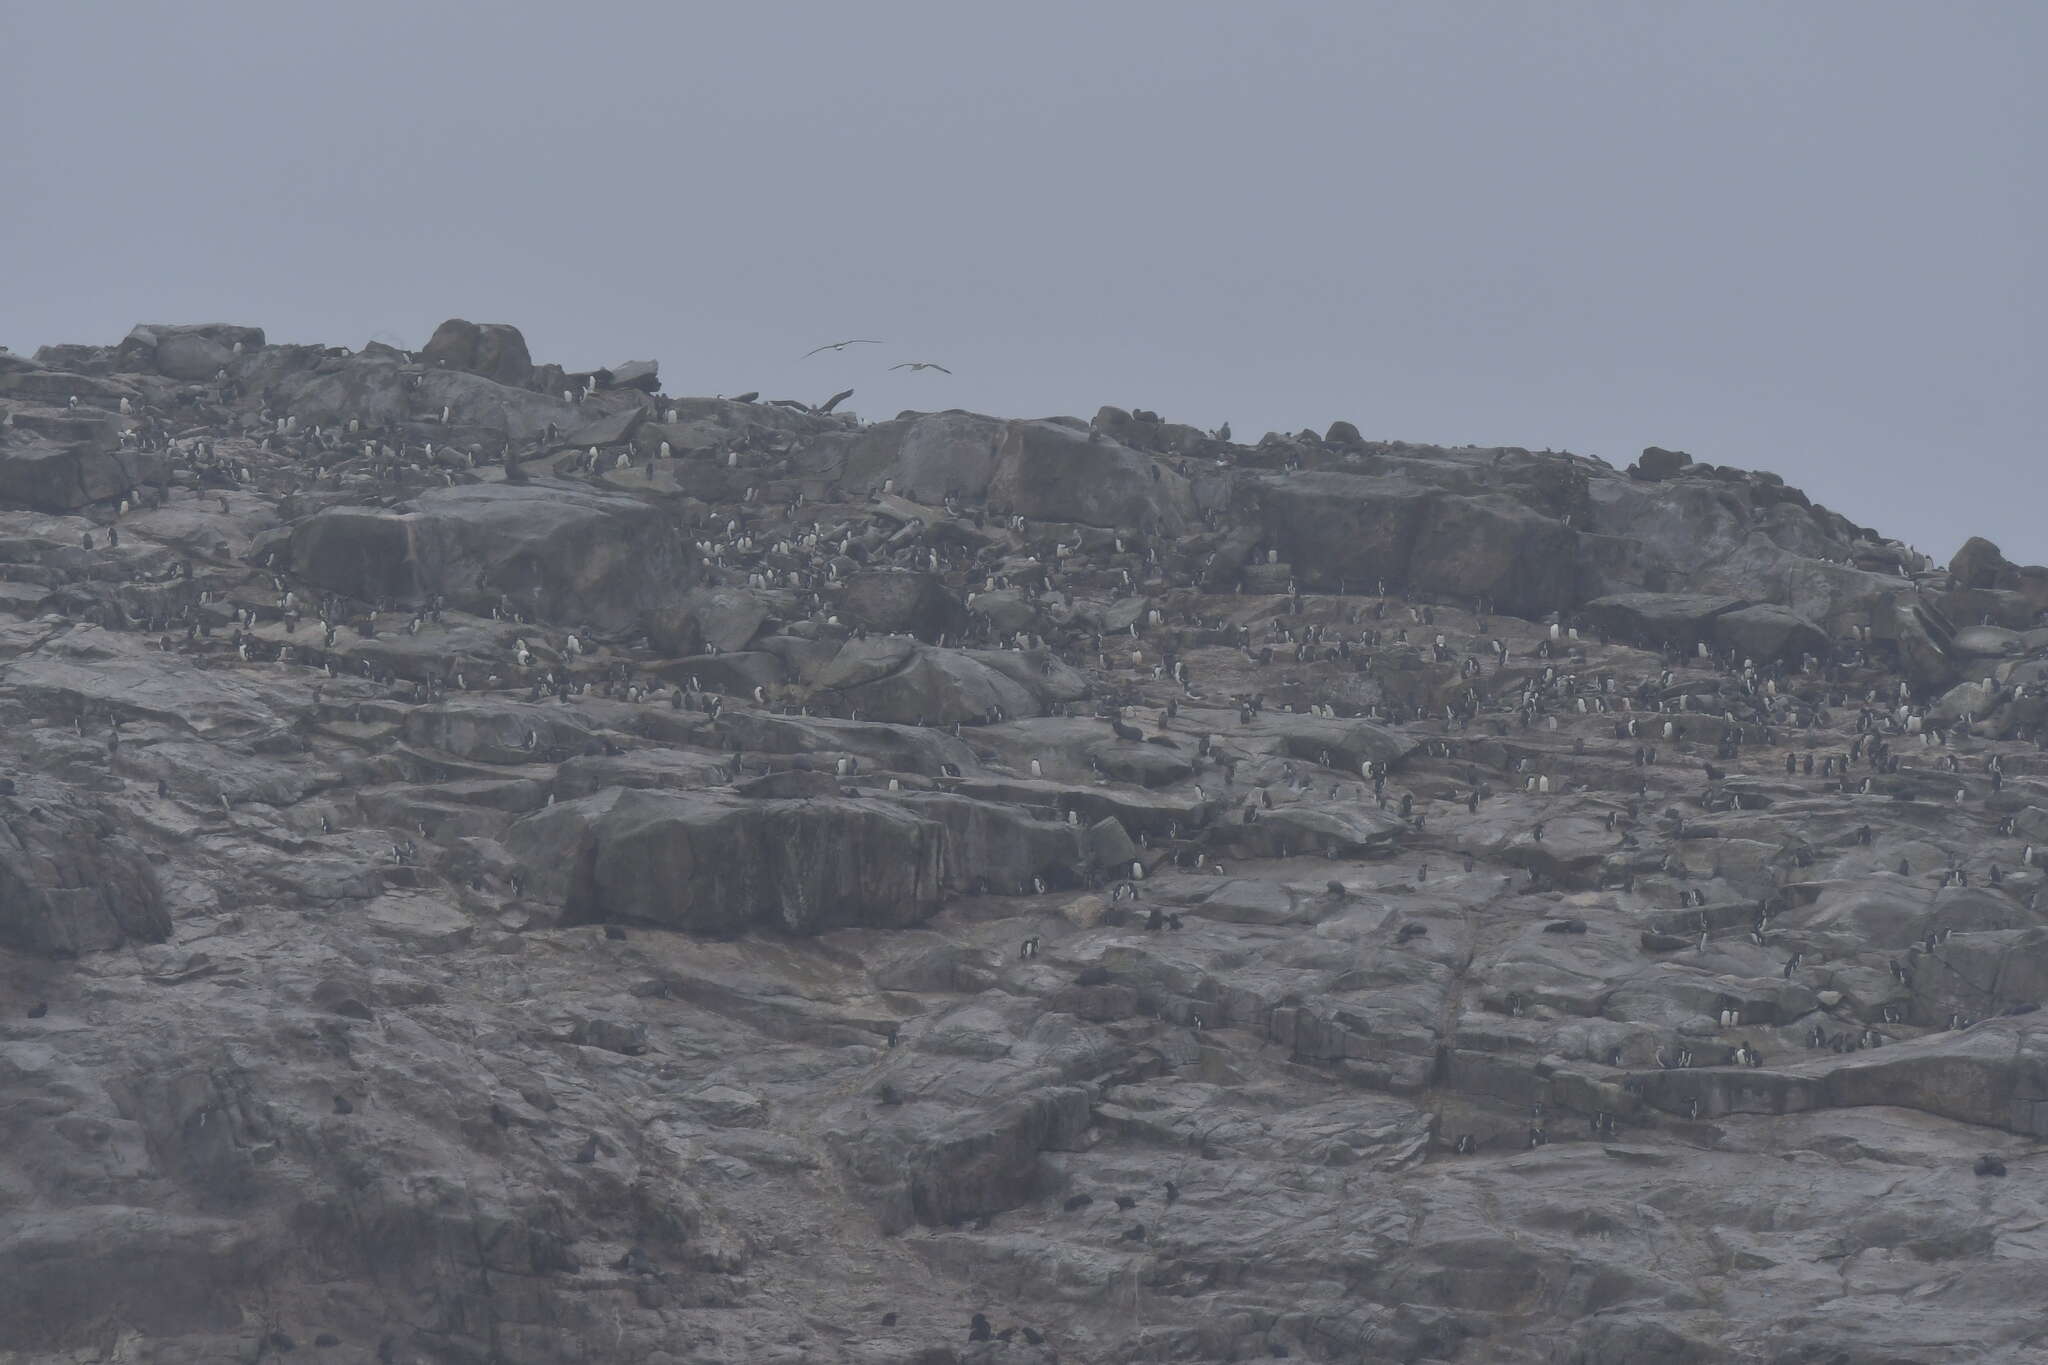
[{"x": 500, "y": 865}]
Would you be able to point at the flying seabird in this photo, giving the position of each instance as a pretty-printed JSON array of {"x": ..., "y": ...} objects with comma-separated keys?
[
  {"x": 921, "y": 365},
  {"x": 842, "y": 345}
]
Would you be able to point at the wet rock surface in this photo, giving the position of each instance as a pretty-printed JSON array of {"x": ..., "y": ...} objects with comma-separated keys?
[{"x": 504, "y": 865}]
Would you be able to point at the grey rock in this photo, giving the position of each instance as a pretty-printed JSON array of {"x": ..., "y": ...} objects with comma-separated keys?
[
  {"x": 588, "y": 1013},
  {"x": 714, "y": 865},
  {"x": 556, "y": 549},
  {"x": 494, "y": 350}
]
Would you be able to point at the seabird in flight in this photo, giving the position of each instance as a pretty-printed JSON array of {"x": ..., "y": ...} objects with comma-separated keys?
[{"x": 842, "y": 345}]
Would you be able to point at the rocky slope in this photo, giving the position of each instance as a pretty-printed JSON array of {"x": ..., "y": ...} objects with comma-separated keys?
[{"x": 499, "y": 865}]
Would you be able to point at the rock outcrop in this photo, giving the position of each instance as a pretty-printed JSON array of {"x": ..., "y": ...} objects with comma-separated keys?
[
  {"x": 721, "y": 867},
  {"x": 499, "y": 864},
  {"x": 553, "y": 549},
  {"x": 492, "y": 349}
]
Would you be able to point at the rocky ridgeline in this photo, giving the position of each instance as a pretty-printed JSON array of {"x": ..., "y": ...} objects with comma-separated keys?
[{"x": 499, "y": 865}]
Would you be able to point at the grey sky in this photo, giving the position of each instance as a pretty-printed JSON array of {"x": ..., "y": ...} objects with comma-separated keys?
[{"x": 1797, "y": 237}]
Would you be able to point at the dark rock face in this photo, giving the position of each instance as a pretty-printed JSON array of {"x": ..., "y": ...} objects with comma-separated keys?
[
  {"x": 991, "y": 1163},
  {"x": 1658, "y": 463},
  {"x": 897, "y": 600},
  {"x": 559, "y": 549},
  {"x": 644, "y": 375},
  {"x": 1049, "y": 472},
  {"x": 1655, "y": 618},
  {"x": 721, "y": 867},
  {"x": 69, "y": 882},
  {"x": 1001, "y": 847},
  {"x": 722, "y": 619},
  {"x": 1979, "y": 564},
  {"x": 75, "y": 465},
  {"x": 194, "y": 353},
  {"x": 487, "y": 874},
  {"x": 1045, "y": 471},
  {"x": 493, "y": 350},
  {"x": 1769, "y": 632},
  {"x": 190, "y": 356},
  {"x": 1344, "y": 529}
]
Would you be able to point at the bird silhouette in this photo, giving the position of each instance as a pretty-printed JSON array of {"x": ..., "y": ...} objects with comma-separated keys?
[
  {"x": 921, "y": 365},
  {"x": 842, "y": 345}
]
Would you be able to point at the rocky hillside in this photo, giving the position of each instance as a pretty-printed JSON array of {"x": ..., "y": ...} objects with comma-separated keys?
[{"x": 503, "y": 865}]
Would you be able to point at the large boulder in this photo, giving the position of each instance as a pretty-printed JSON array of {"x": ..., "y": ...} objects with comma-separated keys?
[
  {"x": 900, "y": 600},
  {"x": 380, "y": 387},
  {"x": 1346, "y": 744},
  {"x": 644, "y": 375},
  {"x": 62, "y": 475},
  {"x": 1989, "y": 642},
  {"x": 607, "y": 429},
  {"x": 1920, "y": 638},
  {"x": 193, "y": 352},
  {"x": 725, "y": 619},
  {"x": 1979, "y": 564},
  {"x": 190, "y": 357},
  {"x": 720, "y": 864},
  {"x": 1000, "y": 846},
  {"x": 227, "y": 335},
  {"x": 1658, "y": 463},
  {"x": 1655, "y": 618},
  {"x": 495, "y": 350},
  {"x": 1769, "y": 632},
  {"x": 1342, "y": 530},
  {"x": 1051, "y": 472},
  {"x": 574, "y": 553},
  {"x": 37, "y": 384},
  {"x": 1044, "y": 470}
]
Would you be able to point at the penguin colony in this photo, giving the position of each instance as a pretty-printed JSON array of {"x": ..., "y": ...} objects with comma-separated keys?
[{"x": 1197, "y": 712}]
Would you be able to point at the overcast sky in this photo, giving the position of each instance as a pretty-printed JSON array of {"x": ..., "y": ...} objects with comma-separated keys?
[{"x": 1800, "y": 237}]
